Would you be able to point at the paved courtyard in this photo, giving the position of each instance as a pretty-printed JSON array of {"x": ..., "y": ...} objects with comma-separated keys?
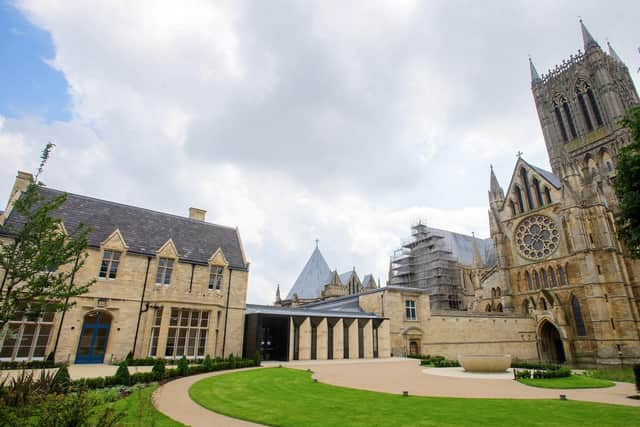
[{"x": 390, "y": 376}]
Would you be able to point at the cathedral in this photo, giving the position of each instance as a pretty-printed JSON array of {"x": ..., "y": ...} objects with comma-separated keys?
[{"x": 557, "y": 258}]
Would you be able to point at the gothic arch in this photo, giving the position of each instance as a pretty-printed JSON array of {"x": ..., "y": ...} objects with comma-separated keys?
[
  {"x": 550, "y": 343},
  {"x": 499, "y": 308},
  {"x": 543, "y": 304}
]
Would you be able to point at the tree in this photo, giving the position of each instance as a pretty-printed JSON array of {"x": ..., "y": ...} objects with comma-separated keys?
[
  {"x": 40, "y": 259},
  {"x": 627, "y": 186}
]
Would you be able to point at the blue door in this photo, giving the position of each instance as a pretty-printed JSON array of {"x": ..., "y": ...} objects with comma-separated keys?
[{"x": 94, "y": 337}]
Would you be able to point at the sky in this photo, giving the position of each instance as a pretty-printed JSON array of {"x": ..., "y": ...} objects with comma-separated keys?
[{"x": 345, "y": 122}]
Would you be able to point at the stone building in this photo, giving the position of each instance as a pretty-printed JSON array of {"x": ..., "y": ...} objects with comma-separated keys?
[
  {"x": 166, "y": 286},
  {"x": 557, "y": 260},
  {"x": 318, "y": 282}
]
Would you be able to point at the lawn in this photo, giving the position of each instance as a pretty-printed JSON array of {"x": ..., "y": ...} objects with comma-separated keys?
[
  {"x": 288, "y": 397},
  {"x": 624, "y": 375},
  {"x": 574, "y": 381},
  {"x": 139, "y": 411}
]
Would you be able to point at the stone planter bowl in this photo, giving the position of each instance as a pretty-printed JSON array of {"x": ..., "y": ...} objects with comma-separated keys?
[{"x": 485, "y": 363}]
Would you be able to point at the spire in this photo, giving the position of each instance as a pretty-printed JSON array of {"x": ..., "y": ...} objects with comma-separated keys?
[
  {"x": 589, "y": 41},
  {"x": 535, "y": 77},
  {"x": 278, "y": 294},
  {"x": 477, "y": 260},
  {"x": 613, "y": 53},
  {"x": 495, "y": 191}
]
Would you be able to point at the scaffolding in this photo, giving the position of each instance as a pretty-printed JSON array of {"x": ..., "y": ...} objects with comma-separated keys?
[{"x": 425, "y": 261}]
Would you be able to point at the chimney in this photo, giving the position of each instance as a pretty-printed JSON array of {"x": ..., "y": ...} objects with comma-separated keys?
[
  {"x": 23, "y": 180},
  {"x": 199, "y": 214}
]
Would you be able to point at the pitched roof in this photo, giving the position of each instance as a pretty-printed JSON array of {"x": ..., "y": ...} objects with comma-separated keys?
[
  {"x": 344, "y": 277},
  {"x": 549, "y": 176},
  {"x": 143, "y": 230},
  {"x": 367, "y": 278},
  {"x": 461, "y": 246},
  {"x": 312, "y": 278}
]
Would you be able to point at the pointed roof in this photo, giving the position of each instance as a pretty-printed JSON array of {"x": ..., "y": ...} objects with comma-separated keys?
[
  {"x": 613, "y": 53},
  {"x": 535, "y": 77},
  {"x": 344, "y": 277},
  {"x": 477, "y": 260},
  {"x": 312, "y": 278},
  {"x": 587, "y": 38}
]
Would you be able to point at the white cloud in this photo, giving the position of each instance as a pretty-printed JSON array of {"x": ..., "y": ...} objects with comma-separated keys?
[{"x": 346, "y": 122}]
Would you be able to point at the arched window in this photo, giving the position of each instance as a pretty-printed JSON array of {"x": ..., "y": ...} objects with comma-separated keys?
[
  {"x": 499, "y": 308},
  {"x": 493, "y": 292},
  {"x": 563, "y": 130},
  {"x": 563, "y": 276},
  {"x": 577, "y": 316},
  {"x": 519, "y": 198},
  {"x": 554, "y": 279},
  {"x": 606, "y": 160},
  {"x": 529, "y": 282},
  {"x": 543, "y": 304},
  {"x": 545, "y": 279},
  {"x": 487, "y": 308},
  {"x": 532, "y": 303},
  {"x": 513, "y": 208},
  {"x": 594, "y": 106},
  {"x": 498, "y": 292},
  {"x": 547, "y": 195},
  {"x": 567, "y": 113},
  {"x": 525, "y": 306},
  {"x": 536, "y": 187},
  {"x": 527, "y": 188},
  {"x": 581, "y": 89},
  {"x": 537, "y": 278}
]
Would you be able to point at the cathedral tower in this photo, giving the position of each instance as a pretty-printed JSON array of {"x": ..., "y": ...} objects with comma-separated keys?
[{"x": 580, "y": 104}]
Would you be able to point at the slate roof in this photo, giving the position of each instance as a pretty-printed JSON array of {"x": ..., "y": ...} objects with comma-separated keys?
[
  {"x": 143, "y": 230},
  {"x": 461, "y": 245},
  {"x": 367, "y": 278},
  {"x": 312, "y": 278},
  {"x": 344, "y": 277},
  {"x": 549, "y": 176}
]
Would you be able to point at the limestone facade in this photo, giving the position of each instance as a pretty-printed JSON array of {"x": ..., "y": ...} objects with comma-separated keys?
[{"x": 169, "y": 296}]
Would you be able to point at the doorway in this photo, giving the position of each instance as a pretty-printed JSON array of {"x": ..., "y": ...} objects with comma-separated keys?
[
  {"x": 94, "y": 337},
  {"x": 551, "y": 348}
]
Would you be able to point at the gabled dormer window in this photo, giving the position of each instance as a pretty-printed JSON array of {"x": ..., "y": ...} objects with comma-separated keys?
[
  {"x": 165, "y": 268},
  {"x": 215, "y": 277},
  {"x": 109, "y": 265}
]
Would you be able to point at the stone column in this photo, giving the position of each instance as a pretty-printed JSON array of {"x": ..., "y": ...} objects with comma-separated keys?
[
  {"x": 384, "y": 340},
  {"x": 338, "y": 345},
  {"x": 164, "y": 331},
  {"x": 291, "y": 338},
  {"x": 368, "y": 339},
  {"x": 305, "y": 339},
  {"x": 321, "y": 340},
  {"x": 353, "y": 340}
]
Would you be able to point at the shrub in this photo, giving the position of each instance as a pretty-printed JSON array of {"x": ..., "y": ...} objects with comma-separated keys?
[
  {"x": 129, "y": 357},
  {"x": 142, "y": 377},
  {"x": 535, "y": 365},
  {"x": 158, "y": 369},
  {"x": 171, "y": 373},
  {"x": 636, "y": 374},
  {"x": 62, "y": 379},
  {"x": 183, "y": 367},
  {"x": 34, "y": 364},
  {"x": 523, "y": 373},
  {"x": 196, "y": 369},
  {"x": 207, "y": 364},
  {"x": 257, "y": 359},
  {"x": 122, "y": 374},
  {"x": 444, "y": 363}
]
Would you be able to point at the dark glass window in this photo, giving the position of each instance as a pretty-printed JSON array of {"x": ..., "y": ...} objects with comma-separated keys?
[
  {"x": 577, "y": 316},
  {"x": 109, "y": 265},
  {"x": 165, "y": 268},
  {"x": 215, "y": 277},
  {"x": 594, "y": 106},
  {"x": 585, "y": 112},
  {"x": 567, "y": 113},
  {"x": 563, "y": 130},
  {"x": 188, "y": 334},
  {"x": 410, "y": 309}
]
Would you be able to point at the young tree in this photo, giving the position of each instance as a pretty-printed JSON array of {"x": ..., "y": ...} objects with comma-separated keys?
[
  {"x": 627, "y": 186},
  {"x": 39, "y": 260}
]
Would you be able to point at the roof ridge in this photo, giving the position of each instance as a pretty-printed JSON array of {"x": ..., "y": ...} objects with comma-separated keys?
[{"x": 186, "y": 218}]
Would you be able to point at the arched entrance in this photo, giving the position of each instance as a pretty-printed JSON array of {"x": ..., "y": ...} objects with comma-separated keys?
[
  {"x": 413, "y": 347},
  {"x": 551, "y": 348},
  {"x": 94, "y": 337}
]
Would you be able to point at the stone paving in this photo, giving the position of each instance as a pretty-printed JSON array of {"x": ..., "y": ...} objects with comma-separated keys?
[{"x": 390, "y": 376}]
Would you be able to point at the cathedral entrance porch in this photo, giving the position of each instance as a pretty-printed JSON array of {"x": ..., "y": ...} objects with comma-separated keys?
[{"x": 550, "y": 343}]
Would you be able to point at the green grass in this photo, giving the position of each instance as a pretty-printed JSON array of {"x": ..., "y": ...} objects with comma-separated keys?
[
  {"x": 624, "y": 375},
  {"x": 288, "y": 397},
  {"x": 574, "y": 381},
  {"x": 139, "y": 411}
]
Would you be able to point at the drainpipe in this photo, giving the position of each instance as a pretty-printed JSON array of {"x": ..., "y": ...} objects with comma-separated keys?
[
  {"x": 193, "y": 268},
  {"x": 144, "y": 288},
  {"x": 226, "y": 314},
  {"x": 66, "y": 304}
]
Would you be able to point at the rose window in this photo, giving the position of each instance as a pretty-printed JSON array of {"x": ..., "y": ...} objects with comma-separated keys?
[{"x": 537, "y": 237}]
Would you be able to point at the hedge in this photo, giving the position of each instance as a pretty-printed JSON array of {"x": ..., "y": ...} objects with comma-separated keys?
[{"x": 34, "y": 364}]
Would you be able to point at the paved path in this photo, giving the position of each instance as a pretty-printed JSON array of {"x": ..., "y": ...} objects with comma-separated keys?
[
  {"x": 388, "y": 375},
  {"x": 173, "y": 400}
]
